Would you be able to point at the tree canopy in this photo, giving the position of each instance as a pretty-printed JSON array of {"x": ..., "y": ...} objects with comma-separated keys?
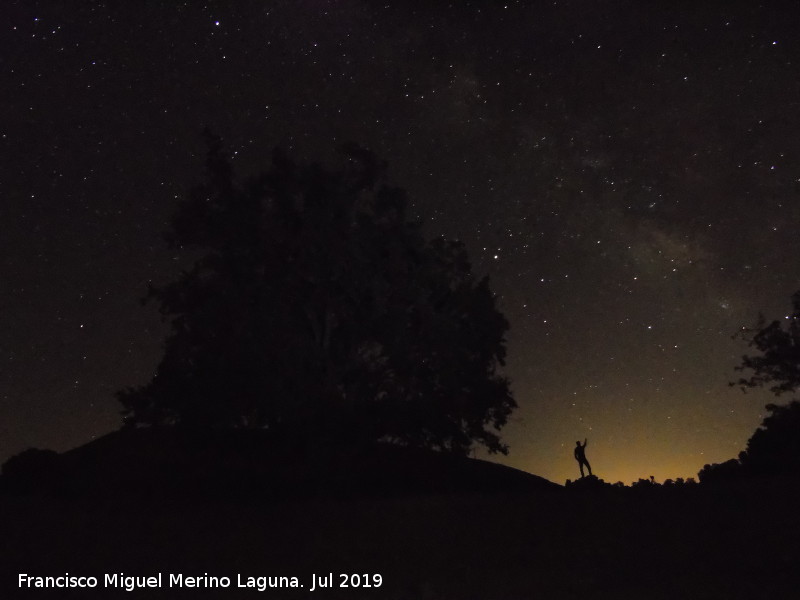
[
  {"x": 318, "y": 308},
  {"x": 778, "y": 361}
]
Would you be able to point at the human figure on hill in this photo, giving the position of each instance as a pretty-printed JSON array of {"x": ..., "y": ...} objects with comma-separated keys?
[{"x": 580, "y": 456}]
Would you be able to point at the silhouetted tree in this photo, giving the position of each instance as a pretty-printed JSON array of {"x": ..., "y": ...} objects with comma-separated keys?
[
  {"x": 720, "y": 471},
  {"x": 643, "y": 483},
  {"x": 778, "y": 361},
  {"x": 775, "y": 446},
  {"x": 318, "y": 308}
]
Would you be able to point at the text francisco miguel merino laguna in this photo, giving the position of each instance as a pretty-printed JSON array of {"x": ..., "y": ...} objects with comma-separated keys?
[{"x": 179, "y": 580}]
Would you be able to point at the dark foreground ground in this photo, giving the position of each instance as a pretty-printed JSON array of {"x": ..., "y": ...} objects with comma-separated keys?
[{"x": 722, "y": 542}]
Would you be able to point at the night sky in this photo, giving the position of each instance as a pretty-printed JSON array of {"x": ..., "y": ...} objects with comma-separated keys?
[{"x": 626, "y": 172}]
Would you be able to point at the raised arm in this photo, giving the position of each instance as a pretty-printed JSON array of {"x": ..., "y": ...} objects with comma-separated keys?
[{"x": 585, "y": 441}]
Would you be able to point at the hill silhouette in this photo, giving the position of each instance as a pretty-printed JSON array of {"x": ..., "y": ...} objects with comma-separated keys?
[
  {"x": 433, "y": 525},
  {"x": 169, "y": 461},
  {"x": 693, "y": 542}
]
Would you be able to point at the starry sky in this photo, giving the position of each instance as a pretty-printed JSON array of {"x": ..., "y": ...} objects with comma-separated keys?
[{"x": 626, "y": 173}]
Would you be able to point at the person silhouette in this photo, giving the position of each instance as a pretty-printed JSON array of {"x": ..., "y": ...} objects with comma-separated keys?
[{"x": 580, "y": 456}]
